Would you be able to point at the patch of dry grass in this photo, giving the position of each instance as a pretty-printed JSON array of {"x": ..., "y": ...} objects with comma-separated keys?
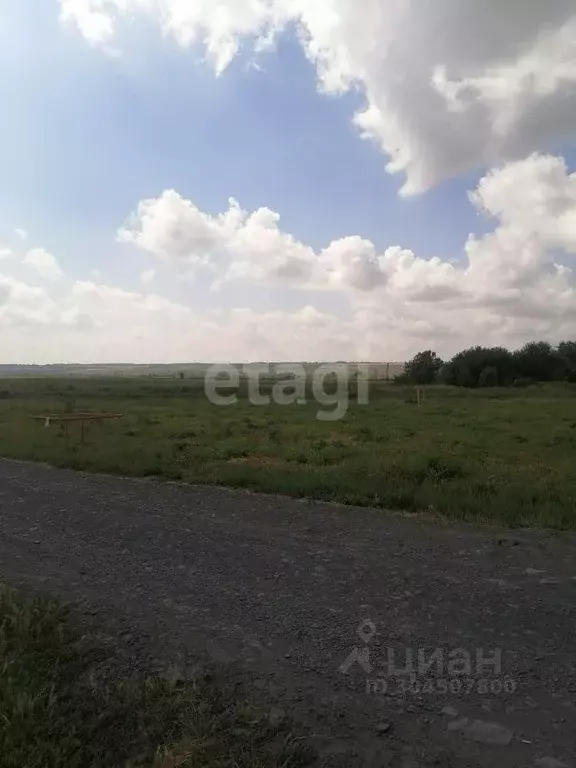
[{"x": 54, "y": 712}]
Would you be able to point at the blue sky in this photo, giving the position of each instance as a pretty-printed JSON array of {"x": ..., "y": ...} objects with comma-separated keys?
[
  {"x": 85, "y": 136},
  {"x": 158, "y": 118}
]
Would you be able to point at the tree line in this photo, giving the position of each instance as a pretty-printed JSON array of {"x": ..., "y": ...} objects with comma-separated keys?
[{"x": 537, "y": 361}]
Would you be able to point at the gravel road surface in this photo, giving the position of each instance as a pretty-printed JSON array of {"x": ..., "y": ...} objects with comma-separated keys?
[{"x": 317, "y": 609}]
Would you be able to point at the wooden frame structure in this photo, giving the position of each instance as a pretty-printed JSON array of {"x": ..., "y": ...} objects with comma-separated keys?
[{"x": 66, "y": 418}]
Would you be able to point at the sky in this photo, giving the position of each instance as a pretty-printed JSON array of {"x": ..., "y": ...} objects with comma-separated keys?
[{"x": 214, "y": 180}]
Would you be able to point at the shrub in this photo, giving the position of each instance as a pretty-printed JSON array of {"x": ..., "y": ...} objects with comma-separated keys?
[
  {"x": 538, "y": 360},
  {"x": 488, "y": 377},
  {"x": 423, "y": 368},
  {"x": 465, "y": 368},
  {"x": 523, "y": 381}
]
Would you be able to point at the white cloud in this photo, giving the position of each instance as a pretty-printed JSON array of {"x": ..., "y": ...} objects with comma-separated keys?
[
  {"x": 93, "y": 18},
  {"x": 148, "y": 276},
  {"x": 43, "y": 262},
  {"x": 535, "y": 202},
  {"x": 513, "y": 284},
  {"x": 449, "y": 85},
  {"x": 221, "y": 25},
  {"x": 260, "y": 250},
  {"x": 176, "y": 231},
  {"x": 84, "y": 327},
  {"x": 508, "y": 88},
  {"x": 237, "y": 245},
  {"x": 510, "y": 281},
  {"x": 5, "y": 253},
  {"x": 536, "y": 196},
  {"x": 21, "y": 304},
  {"x": 22, "y": 234},
  {"x": 352, "y": 262}
]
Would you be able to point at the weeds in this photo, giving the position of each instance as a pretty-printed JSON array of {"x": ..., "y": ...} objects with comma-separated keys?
[
  {"x": 55, "y": 710},
  {"x": 462, "y": 455}
]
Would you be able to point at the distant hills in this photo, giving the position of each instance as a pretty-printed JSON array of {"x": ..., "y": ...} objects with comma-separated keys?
[{"x": 173, "y": 370}]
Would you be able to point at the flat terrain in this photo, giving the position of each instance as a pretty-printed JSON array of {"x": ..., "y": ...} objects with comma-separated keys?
[
  {"x": 273, "y": 591},
  {"x": 502, "y": 455}
]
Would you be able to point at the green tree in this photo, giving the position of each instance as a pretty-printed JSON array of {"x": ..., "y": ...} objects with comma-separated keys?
[
  {"x": 423, "y": 368},
  {"x": 539, "y": 361},
  {"x": 465, "y": 368},
  {"x": 567, "y": 351},
  {"x": 488, "y": 377}
]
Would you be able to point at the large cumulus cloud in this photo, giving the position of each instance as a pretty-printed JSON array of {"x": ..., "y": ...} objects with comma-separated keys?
[
  {"x": 449, "y": 85},
  {"x": 532, "y": 203},
  {"x": 512, "y": 284}
]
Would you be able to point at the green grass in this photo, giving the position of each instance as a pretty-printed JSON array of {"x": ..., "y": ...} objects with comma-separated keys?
[
  {"x": 57, "y": 712},
  {"x": 503, "y": 456}
]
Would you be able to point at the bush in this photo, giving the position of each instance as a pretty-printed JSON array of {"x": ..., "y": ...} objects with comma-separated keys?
[
  {"x": 488, "y": 377},
  {"x": 466, "y": 368},
  {"x": 423, "y": 368},
  {"x": 538, "y": 360},
  {"x": 496, "y": 366},
  {"x": 567, "y": 351},
  {"x": 523, "y": 381}
]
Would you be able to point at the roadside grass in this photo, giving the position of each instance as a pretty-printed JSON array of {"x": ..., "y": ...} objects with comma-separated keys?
[
  {"x": 500, "y": 456},
  {"x": 56, "y": 713}
]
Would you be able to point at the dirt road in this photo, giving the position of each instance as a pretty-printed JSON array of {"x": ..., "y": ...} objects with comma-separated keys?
[{"x": 317, "y": 608}]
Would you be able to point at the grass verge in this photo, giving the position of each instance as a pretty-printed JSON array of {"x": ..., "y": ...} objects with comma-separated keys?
[{"x": 54, "y": 710}]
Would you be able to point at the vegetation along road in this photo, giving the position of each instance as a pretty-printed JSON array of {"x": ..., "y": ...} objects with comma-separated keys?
[{"x": 501, "y": 455}]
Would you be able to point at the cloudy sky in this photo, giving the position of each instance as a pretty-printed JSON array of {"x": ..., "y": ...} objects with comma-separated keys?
[{"x": 284, "y": 179}]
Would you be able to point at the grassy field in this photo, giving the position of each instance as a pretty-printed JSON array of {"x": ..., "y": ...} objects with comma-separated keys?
[
  {"x": 56, "y": 712},
  {"x": 504, "y": 456}
]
